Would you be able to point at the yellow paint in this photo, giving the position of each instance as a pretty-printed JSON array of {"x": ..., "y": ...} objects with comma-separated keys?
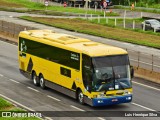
[{"x": 51, "y": 70}]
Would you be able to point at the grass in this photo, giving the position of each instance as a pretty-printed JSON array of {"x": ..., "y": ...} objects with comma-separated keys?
[
  {"x": 6, "y": 106},
  {"x": 10, "y": 4},
  {"x": 87, "y": 27}
]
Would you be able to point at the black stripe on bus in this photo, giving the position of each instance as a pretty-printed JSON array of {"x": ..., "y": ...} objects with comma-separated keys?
[
  {"x": 74, "y": 86},
  {"x": 30, "y": 65}
]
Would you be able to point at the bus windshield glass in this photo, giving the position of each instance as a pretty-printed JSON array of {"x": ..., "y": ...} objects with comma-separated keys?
[{"x": 111, "y": 73}]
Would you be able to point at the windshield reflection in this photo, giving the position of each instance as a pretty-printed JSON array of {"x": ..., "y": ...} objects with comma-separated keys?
[{"x": 111, "y": 73}]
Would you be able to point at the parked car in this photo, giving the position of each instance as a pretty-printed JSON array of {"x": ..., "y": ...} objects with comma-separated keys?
[{"x": 151, "y": 24}]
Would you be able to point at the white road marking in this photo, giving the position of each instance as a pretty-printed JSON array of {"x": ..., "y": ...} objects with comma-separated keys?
[
  {"x": 77, "y": 108},
  {"x": 145, "y": 85},
  {"x": 143, "y": 106},
  {"x": 14, "y": 81},
  {"x": 100, "y": 118},
  {"x": 27, "y": 108},
  {"x": 23, "y": 106},
  {"x": 1, "y": 75},
  {"x": 53, "y": 98},
  {"x": 32, "y": 89}
]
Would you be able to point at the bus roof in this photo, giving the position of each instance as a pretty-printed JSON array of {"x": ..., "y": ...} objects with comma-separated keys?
[{"x": 72, "y": 43}]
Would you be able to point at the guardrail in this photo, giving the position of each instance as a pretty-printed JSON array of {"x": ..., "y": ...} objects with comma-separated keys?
[
  {"x": 138, "y": 59},
  {"x": 143, "y": 60}
]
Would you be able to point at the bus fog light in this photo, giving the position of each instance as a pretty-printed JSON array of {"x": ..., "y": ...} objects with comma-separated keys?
[{"x": 100, "y": 101}]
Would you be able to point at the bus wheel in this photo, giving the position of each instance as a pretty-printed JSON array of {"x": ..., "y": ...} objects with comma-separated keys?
[
  {"x": 34, "y": 78},
  {"x": 42, "y": 82},
  {"x": 80, "y": 97}
]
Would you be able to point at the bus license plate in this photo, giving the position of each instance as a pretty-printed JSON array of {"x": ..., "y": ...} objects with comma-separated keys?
[{"x": 114, "y": 100}]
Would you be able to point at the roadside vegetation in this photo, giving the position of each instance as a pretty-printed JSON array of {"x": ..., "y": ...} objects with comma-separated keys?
[
  {"x": 6, "y": 106},
  {"x": 139, "y": 3},
  {"x": 37, "y": 7},
  {"x": 84, "y": 26},
  {"x": 152, "y": 6},
  {"x": 143, "y": 9}
]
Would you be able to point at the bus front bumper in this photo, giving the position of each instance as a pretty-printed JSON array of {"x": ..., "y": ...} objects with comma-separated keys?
[{"x": 111, "y": 101}]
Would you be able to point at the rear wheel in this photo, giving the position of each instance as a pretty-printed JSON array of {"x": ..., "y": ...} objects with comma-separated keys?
[
  {"x": 34, "y": 79},
  {"x": 42, "y": 82},
  {"x": 80, "y": 97}
]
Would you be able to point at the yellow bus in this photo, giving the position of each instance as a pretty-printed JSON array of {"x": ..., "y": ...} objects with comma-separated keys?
[{"x": 91, "y": 72}]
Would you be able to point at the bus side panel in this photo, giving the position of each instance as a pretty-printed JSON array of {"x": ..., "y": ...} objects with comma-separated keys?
[{"x": 52, "y": 72}]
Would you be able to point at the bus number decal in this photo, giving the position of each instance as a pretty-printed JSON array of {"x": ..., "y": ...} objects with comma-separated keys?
[{"x": 74, "y": 56}]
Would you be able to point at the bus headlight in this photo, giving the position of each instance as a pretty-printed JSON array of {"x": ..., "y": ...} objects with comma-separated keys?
[{"x": 128, "y": 98}]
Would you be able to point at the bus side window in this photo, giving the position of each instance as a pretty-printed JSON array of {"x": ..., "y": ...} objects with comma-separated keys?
[{"x": 87, "y": 72}]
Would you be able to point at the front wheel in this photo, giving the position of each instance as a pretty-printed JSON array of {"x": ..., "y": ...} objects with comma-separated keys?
[
  {"x": 42, "y": 82},
  {"x": 80, "y": 97}
]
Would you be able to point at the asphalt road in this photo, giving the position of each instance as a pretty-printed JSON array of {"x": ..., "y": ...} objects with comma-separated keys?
[{"x": 18, "y": 88}]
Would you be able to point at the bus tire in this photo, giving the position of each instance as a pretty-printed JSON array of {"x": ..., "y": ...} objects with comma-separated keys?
[
  {"x": 42, "y": 81},
  {"x": 80, "y": 97},
  {"x": 34, "y": 79}
]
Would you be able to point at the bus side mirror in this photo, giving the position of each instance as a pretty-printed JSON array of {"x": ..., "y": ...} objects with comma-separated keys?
[{"x": 132, "y": 71}]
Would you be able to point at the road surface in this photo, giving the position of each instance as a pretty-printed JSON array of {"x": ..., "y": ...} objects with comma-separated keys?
[{"x": 19, "y": 89}]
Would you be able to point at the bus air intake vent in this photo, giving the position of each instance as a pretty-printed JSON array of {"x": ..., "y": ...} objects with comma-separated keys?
[
  {"x": 65, "y": 39},
  {"x": 90, "y": 44},
  {"x": 37, "y": 35},
  {"x": 119, "y": 93},
  {"x": 48, "y": 31},
  {"x": 109, "y": 94},
  {"x": 40, "y": 33}
]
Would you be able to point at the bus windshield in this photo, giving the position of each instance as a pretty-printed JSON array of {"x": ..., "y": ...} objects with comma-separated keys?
[{"x": 111, "y": 73}]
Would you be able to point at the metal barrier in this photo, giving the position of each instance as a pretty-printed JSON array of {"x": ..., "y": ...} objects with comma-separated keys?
[{"x": 143, "y": 60}]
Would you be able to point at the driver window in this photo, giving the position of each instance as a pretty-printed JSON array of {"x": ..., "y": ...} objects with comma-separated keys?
[{"x": 87, "y": 72}]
